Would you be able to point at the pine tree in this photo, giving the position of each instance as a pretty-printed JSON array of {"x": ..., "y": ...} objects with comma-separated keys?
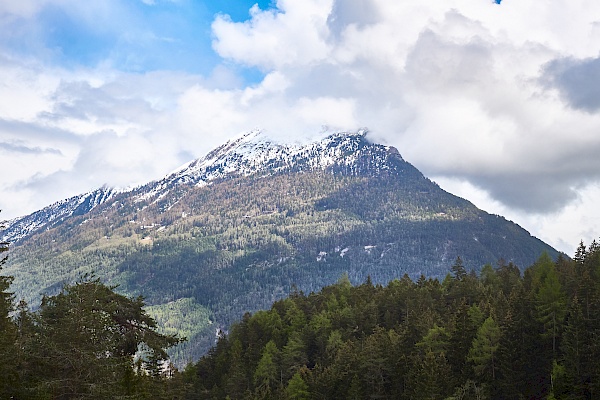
[
  {"x": 509, "y": 379},
  {"x": 267, "y": 373},
  {"x": 85, "y": 339},
  {"x": 551, "y": 306},
  {"x": 483, "y": 350},
  {"x": 6, "y": 297},
  {"x": 354, "y": 390},
  {"x": 462, "y": 333},
  {"x": 8, "y": 350},
  {"x": 458, "y": 269},
  {"x": 575, "y": 349},
  {"x": 428, "y": 377},
  {"x": 375, "y": 364},
  {"x": 297, "y": 389},
  {"x": 293, "y": 356},
  {"x": 580, "y": 253},
  {"x": 237, "y": 383},
  {"x": 524, "y": 359}
]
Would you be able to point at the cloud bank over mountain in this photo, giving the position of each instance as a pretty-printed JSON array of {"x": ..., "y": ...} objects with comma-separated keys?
[{"x": 499, "y": 102}]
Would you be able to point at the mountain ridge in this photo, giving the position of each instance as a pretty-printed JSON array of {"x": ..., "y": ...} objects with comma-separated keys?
[{"x": 19, "y": 228}]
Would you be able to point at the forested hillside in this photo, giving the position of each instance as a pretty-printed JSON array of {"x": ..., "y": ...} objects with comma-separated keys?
[
  {"x": 499, "y": 334},
  {"x": 496, "y": 335},
  {"x": 84, "y": 342},
  {"x": 205, "y": 244}
]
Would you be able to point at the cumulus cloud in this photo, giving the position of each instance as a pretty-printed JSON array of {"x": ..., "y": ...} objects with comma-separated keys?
[
  {"x": 359, "y": 13},
  {"x": 291, "y": 34},
  {"x": 460, "y": 89}
]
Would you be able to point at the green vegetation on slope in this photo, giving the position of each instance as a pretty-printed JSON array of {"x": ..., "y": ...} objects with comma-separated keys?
[
  {"x": 499, "y": 335},
  {"x": 239, "y": 244},
  {"x": 184, "y": 318}
]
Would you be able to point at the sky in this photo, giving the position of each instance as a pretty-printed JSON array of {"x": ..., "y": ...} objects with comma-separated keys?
[{"x": 496, "y": 101}]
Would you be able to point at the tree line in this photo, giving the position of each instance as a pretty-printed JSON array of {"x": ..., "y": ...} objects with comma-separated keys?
[{"x": 499, "y": 334}]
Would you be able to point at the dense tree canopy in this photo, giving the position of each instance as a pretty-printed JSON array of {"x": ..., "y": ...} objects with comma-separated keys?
[
  {"x": 499, "y": 335},
  {"x": 85, "y": 342},
  {"x": 7, "y": 329}
]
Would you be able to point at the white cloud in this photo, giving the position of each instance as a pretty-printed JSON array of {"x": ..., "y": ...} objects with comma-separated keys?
[
  {"x": 563, "y": 229},
  {"x": 22, "y": 8},
  {"x": 466, "y": 98},
  {"x": 24, "y": 90},
  {"x": 208, "y": 117},
  {"x": 291, "y": 35},
  {"x": 337, "y": 113}
]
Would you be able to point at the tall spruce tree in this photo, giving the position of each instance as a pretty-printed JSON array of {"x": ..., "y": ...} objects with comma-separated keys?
[
  {"x": 268, "y": 373},
  {"x": 576, "y": 357},
  {"x": 297, "y": 389},
  {"x": 483, "y": 350},
  {"x": 8, "y": 369}
]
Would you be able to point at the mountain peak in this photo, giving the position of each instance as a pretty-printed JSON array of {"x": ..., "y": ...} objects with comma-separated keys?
[
  {"x": 261, "y": 135},
  {"x": 270, "y": 216},
  {"x": 257, "y": 152}
]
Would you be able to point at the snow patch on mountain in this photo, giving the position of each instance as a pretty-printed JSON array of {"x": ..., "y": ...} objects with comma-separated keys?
[
  {"x": 48, "y": 217},
  {"x": 255, "y": 152}
]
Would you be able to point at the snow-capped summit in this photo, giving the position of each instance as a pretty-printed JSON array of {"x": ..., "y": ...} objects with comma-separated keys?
[{"x": 257, "y": 153}]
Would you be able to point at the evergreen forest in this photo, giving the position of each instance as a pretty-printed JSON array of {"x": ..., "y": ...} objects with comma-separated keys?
[{"x": 497, "y": 334}]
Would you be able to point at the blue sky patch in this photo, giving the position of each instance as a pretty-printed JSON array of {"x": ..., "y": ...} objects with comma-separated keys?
[{"x": 135, "y": 36}]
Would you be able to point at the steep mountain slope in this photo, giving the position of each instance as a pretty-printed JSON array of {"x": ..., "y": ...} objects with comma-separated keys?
[
  {"x": 21, "y": 228},
  {"x": 244, "y": 225}
]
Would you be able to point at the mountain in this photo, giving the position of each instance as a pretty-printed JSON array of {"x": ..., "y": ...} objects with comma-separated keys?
[
  {"x": 20, "y": 228},
  {"x": 254, "y": 220}
]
